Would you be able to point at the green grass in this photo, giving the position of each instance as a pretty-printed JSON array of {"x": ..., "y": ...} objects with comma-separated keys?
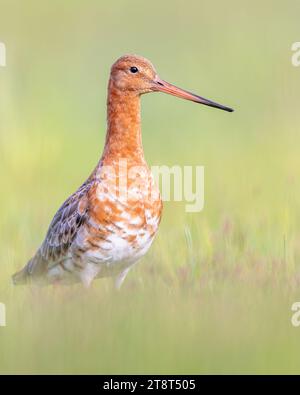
[{"x": 214, "y": 294}]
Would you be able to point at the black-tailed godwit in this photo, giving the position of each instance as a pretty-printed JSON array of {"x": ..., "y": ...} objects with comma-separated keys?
[{"x": 111, "y": 220}]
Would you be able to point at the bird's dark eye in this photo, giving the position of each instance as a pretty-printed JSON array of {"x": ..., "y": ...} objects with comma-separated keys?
[{"x": 134, "y": 69}]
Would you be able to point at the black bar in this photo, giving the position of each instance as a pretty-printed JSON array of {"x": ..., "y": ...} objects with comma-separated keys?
[{"x": 139, "y": 383}]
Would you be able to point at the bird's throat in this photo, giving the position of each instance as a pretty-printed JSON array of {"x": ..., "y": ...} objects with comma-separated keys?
[{"x": 123, "y": 138}]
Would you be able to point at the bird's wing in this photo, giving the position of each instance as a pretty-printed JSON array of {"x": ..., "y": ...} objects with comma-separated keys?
[
  {"x": 65, "y": 225},
  {"x": 61, "y": 233}
]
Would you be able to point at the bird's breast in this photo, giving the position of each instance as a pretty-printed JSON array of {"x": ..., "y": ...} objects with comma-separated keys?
[{"x": 124, "y": 216}]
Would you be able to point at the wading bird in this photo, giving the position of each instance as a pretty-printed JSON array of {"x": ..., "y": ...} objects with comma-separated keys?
[{"x": 111, "y": 220}]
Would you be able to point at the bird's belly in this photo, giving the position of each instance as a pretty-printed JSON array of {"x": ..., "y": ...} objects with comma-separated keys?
[
  {"x": 117, "y": 245},
  {"x": 124, "y": 251}
]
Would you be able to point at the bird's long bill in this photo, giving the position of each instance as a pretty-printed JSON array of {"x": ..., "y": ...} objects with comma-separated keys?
[{"x": 163, "y": 86}]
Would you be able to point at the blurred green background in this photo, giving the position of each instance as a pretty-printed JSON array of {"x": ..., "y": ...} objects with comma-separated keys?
[{"x": 214, "y": 293}]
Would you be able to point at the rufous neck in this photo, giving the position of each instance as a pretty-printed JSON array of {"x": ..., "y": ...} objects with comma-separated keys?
[{"x": 123, "y": 137}]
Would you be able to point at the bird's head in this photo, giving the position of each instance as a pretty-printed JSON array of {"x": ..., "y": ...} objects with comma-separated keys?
[{"x": 132, "y": 73}]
